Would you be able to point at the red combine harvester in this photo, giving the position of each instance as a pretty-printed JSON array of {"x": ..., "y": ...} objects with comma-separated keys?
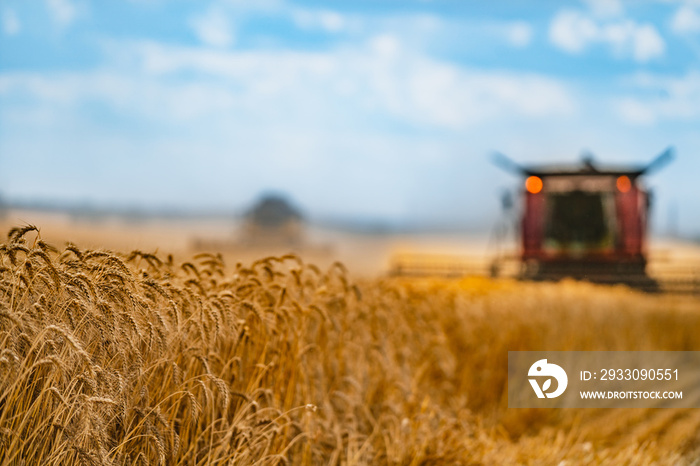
[{"x": 585, "y": 221}]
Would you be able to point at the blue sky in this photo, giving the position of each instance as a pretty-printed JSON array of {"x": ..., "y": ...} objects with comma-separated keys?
[{"x": 374, "y": 109}]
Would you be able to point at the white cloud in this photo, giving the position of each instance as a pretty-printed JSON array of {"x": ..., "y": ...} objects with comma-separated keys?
[
  {"x": 456, "y": 98},
  {"x": 213, "y": 28},
  {"x": 646, "y": 43},
  {"x": 383, "y": 78},
  {"x": 574, "y": 31},
  {"x": 63, "y": 12},
  {"x": 686, "y": 20},
  {"x": 326, "y": 20},
  {"x": 265, "y": 6},
  {"x": 519, "y": 34},
  {"x": 379, "y": 80},
  {"x": 661, "y": 98},
  {"x": 682, "y": 2},
  {"x": 605, "y": 8},
  {"x": 10, "y": 22},
  {"x": 635, "y": 111},
  {"x": 331, "y": 21},
  {"x": 385, "y": 44}
]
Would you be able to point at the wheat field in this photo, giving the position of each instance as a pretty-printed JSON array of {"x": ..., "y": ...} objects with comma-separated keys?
[{"x": 111, "y": 358}]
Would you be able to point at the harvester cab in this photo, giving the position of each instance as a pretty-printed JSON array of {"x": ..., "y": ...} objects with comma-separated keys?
[{"x": 585, "y": 221}]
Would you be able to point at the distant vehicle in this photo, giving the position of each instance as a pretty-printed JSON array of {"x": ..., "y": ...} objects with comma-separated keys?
[
  {"x": 585, "y": 221},
  {"x": 272, "y": 225},
  {"x": 273, "y": 220}
]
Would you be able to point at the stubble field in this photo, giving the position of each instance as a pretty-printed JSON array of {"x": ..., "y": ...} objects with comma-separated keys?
[{"x": 135, "y": 358}]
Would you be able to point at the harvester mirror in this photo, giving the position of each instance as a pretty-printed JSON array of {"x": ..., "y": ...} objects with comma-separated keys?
[{"x": 506, "y": 200}]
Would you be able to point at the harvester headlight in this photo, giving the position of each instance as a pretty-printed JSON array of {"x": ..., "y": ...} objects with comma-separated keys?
[
  {"x": 624, "y": 184},
  {"x": 534, "y": 184}
]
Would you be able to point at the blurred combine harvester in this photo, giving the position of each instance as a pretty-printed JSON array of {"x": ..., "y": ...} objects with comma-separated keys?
[
  {"x": 584, "y": 221},
  {"x": 273, "y": 225},
  {"x": 273, "y": 221}
]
